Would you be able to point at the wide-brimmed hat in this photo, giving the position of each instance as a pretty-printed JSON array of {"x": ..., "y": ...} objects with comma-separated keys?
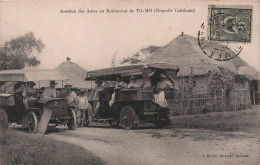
[
  {"x": 82, "y": 90},
  {"x": 133, "y": 77},
  {"x": 98, "y": 81},
  {"x": 53, "y": 82},
  {"x": 68, "y": 84},
  {"x": 31, "y": 83}
]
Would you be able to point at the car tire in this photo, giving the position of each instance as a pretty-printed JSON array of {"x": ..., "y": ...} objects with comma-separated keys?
[
  {"x": 3, "y": 120},
  {"x": 72, "y": 121},
  {"x": 32, "y": 122},
  {"x": 128, "y": 118}
]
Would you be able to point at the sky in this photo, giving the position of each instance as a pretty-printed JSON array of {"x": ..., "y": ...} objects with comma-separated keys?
[{"x": 91, "y": 39}]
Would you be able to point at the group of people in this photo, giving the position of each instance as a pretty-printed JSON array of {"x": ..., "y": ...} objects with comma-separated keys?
[
  {"x": 79, "y": 101},
  {"x": 159, "y": 96}
]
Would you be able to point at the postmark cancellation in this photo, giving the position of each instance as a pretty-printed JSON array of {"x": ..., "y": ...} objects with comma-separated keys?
[{"x": 230, "y": 23}]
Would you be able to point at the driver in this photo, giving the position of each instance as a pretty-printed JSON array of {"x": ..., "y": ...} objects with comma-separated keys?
[
  {"x": 97, "y": 89},
  {"x": 50, "y": 91},
  {"x": 31, "y": 92},
  {"x": 119, "y": 84}
]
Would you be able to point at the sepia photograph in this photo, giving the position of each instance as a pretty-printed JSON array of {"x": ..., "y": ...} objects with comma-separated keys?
[{"x": 116, "y": 82}]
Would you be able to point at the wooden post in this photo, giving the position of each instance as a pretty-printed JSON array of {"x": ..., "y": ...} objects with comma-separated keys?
[
  {"x": 235, "y": 100},
  {"x": 253, "y": 86}
]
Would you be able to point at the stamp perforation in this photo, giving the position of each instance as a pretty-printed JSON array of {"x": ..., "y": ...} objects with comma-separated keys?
[{"x": 247, "y": 38}]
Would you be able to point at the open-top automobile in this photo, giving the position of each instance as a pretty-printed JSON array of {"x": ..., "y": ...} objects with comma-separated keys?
[
  {"x": 133, "y": 105},
  {"x": 36, "y": 114}
]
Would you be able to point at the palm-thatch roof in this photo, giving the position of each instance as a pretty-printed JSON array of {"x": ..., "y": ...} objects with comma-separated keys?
[
  {"x": 75, "y": 73},
  {"x": 184, "y": 51}
]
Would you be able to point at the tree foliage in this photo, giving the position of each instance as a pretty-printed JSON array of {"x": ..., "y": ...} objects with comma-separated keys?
[
  {"x": 138, "y": 57},
  {"x": 222, "y": 78},
  {"x": 19, "y": 52}
]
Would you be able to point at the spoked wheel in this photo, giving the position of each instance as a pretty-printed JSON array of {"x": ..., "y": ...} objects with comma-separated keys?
[
  {"x": 72, "y": 121},
  {"x": 32, "y": 122},
  {"x": 3, "y": 120},
  {"x": 128, "y": 118}
]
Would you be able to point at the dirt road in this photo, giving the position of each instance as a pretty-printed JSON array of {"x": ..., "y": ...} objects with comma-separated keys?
[{"x": 167, "y": 146}]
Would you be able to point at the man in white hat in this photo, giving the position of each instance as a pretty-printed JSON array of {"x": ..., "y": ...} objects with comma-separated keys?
[
  {"x": 50, "y": 91},
  {"x": 69, "y": 94}
]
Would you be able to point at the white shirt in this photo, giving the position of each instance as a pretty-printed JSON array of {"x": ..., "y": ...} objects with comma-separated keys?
[
  {"x": 48, "y": 93},
  {"x": 72, "y": 98},
  {"x": 83, "y": 102},
  {"x": 136, "y": 84}
]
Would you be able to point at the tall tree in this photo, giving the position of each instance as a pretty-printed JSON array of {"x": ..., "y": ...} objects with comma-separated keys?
[
  {"x": 140, "y": 56},
  {"x": 20, "y": 52}
]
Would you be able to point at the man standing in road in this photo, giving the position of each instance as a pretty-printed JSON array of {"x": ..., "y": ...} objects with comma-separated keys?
[{"x": 70, "y": 95}]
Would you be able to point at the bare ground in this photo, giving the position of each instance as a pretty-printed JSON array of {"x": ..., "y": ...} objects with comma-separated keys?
[
  {"x": 167, "y": 146},
  {"x": 227, "y": 141}
]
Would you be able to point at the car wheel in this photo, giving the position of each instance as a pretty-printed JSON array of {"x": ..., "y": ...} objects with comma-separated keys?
[
  {"x": 72, "y": 122},
  {"x": 128, "y": 118},
  {"x": 32, "y": 122},
  {"x": 3, "y": 120}
]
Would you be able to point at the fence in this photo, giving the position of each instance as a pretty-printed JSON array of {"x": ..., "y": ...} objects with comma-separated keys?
[{"x": 214, "y": 101}]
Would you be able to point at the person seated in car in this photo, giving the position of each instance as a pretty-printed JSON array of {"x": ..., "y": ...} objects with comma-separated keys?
[
  {"x": 49, "y": 92},
  {"x": 159, "y": 96},
  {"x": 96, "y": 101},
  {"x": 134, "y": 83},
  {"x": 120, "y": 83},
  {"x": 31, "y": 92}
]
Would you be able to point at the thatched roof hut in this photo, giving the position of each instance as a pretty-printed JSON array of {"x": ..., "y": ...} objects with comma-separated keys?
[
  {"x": 184, "y": 51},
  {"x": 75, "y": 73}
]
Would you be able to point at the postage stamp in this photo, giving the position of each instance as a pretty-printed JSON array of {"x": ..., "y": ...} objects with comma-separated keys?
[{"x": 230, "y": 23}]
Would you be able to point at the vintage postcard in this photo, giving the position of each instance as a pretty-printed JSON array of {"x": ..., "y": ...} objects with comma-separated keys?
[{"x": 116, "y": 82}]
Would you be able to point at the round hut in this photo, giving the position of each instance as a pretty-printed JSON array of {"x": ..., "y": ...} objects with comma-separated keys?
[{"x": 75, "y": 73}]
